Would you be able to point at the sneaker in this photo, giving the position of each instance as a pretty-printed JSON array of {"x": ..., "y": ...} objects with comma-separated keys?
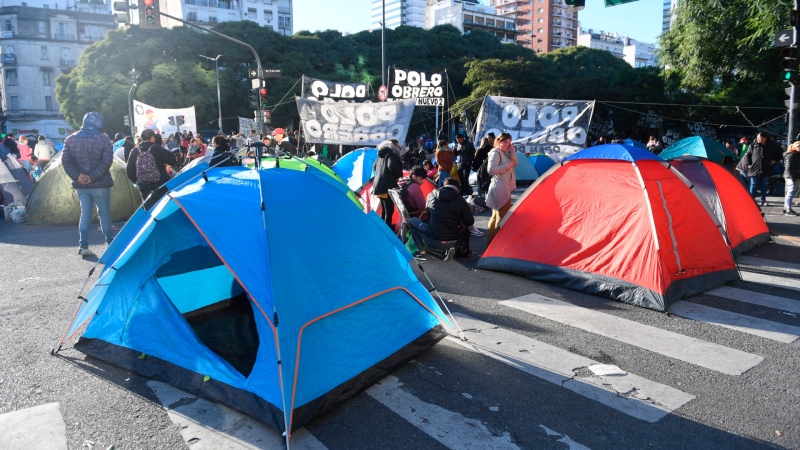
[
  {"x": 475, "y": 232},
  {"x": 85, "y": 252},
  {"x": 450, "y": 252},
  {"x": 420, "y": 257},
  {"x": 763, "y": 203},
  {"x": 789, "y": 213}
]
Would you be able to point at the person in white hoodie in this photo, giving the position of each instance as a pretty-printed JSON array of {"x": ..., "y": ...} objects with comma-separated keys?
[
  {"x": 502, "y": 161},
  {"x": 43, "y": 152}
]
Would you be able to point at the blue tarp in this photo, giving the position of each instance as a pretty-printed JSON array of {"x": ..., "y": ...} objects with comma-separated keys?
[
  {"x": 355, "y": 168},
  {"x": 614, "y": 151},
  {"x": 700, "y": 146}
]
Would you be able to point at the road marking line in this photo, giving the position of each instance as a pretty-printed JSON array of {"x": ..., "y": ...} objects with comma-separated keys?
[
  {"x": 756, "y": 298},
  {"x": 37, "y": 427},
  {"x": 695, "y": 351},
  {"x": 572, "y": 445},
  {"x": 206, "y": 425},
  {"x": 761, "y": 262},
  {"x": 630, "y": 394},
  {"x": 735, "y": 321},
  {"x": 771, "y": 280},
  {"x": 451, "y": 429}
]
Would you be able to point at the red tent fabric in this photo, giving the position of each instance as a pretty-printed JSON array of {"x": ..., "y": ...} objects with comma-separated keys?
[
  {"x": 630, "y": 230},
  {"x": 735, "y": 209},
  {"x": 371, "y": 202}
]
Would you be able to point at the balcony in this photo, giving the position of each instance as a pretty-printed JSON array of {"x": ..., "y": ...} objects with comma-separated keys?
[
  {"x": 64, "y": 37},
  {"x": 8, "y": 59}
]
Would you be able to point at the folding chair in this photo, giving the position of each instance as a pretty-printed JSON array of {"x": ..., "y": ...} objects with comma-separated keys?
[{"x": 394, "y": 194}]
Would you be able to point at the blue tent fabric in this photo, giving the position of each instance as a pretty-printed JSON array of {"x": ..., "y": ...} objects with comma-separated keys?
[
  {"x": 355, "y": 168},
  {"x": 634, "y": 143},
  {"x": 615, "y": 152},
  {"x": 525, "y": 173},
  {"x": 541, "y": 163},
  {"x": 700, "y": 146},
  {"x": 195, "y": 247}
]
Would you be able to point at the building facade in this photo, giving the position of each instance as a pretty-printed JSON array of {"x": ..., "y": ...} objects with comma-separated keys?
[
  {"x": 633, "y": 52},
  {"x": 275, "y": 14},
  {"x": 542, "y": 25},
  {"x": 37, "y": 44},
  {"x": 398, "y": 12},
  {"x": 669, "y": 14},
  {"x": 469, "y": 15}
]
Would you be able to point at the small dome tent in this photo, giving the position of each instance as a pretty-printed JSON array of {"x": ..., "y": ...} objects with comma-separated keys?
[
  {"x": 214, "y": 296},
  {"x": 615, "y": 221}
]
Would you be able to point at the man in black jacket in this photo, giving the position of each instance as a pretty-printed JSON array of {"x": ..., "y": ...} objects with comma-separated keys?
[
  {"x": 447, "y": 212},
  {"x": 162, "y": 157},
  {"x": 760, "y": 157},
  {"x": 388, "y": 169},
  {"x": 465, "y": 153}
]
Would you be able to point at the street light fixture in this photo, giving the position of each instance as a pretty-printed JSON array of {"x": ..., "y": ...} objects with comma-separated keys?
[{"x": 219, "y": 101}]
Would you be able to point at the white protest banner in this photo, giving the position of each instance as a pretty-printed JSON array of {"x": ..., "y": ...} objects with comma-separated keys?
[
  {"x": 536, "y": 124},
  {"x": 163, "y": 121},
  {"x": 246, "y": 125},
  {"x": 354, "y": 123},
  {"x": 332, "y": 90},
  {"x": 426, "y": 88}
]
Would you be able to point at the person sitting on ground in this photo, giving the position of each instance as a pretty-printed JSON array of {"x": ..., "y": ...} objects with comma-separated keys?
[
  {"x": 430, "y": 169},
  {"x": 414, "y": 199},
  {"x": 447, "y": 211},
  {"x": 148, "y": 182}
]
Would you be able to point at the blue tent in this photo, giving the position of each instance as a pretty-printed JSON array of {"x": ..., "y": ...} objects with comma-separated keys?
[
  {"x": 700, "y": 146},
  {"x": 525, "y": 173},
  {"x": 541, "y": 163},
  {"x": 208, "y": 288},
  {"x": 355, "y": 168},
  {"x": 614, "y": 151},
  {"x": 633, "y": 143}
]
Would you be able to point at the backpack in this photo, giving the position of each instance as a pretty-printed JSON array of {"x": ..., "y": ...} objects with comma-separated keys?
[
  {"x": 146, "y": 168},
  {"x": 483, "y": 175},
  {"x": 404, "y": 196}
]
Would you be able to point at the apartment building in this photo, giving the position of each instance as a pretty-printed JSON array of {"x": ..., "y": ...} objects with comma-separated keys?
[
  {"x": 542, "y": 25},
  {"x": 398, "y": 12},
  {"x": 275, "y": 14},
  {"x": 633, "y": 52},
  {"x": 469, "y": 15}
]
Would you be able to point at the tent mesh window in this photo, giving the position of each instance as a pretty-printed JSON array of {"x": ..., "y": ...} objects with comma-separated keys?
[{"x": 214, "y": 304}]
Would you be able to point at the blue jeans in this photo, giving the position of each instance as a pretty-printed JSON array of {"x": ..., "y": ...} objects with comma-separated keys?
[
  {"x": 763, "y": 186},
  {"x": 418, "y": 228},
  {"x": 89, "y": 198},
  {"x": 442, "y": 176}
]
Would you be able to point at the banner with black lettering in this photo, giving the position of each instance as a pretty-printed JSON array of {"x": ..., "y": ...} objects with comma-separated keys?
[
  {"x": 246, "y": 125},
  {"x": 162, "y": 120},
  {"x": 537, "y": 125},
  {"x": 359, "y": 124},
  {"x": 426, "y": 88},
  {"x": 333, "y": 90}
]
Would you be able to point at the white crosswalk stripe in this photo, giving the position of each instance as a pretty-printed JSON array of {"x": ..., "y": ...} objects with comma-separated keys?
[
  {"x": 770, "y": 263},
  {"x": 757, "y": 298},
  {"x": 740, "y": 322},
  {"x": 630, "y": 394},
  {"x": 705, "y": 354},
  {"x": 772, "y": 280}
]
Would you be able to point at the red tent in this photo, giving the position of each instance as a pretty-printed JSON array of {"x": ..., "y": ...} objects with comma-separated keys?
[
  {"x": 371, "y": 202},
  {"x": 616, "y": 221},
  {"x": 730, "y": 202}
]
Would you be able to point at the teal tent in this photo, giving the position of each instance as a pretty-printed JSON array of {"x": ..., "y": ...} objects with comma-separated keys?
[{"x": 700, "y": 146}]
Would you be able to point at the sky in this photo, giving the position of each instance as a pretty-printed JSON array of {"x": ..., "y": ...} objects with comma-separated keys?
[{"x": 640, "y": 20}]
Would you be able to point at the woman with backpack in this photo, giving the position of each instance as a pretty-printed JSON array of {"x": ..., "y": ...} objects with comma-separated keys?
[{"x": 502, "y": 160}]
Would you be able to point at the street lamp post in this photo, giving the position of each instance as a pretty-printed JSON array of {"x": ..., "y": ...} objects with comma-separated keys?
[
  {"x": 133, "y": 76},
  {"x": 219, "y": 101}
]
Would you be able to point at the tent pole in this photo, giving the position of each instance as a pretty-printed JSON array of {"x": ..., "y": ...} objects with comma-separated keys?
[
  {"x": 444, "y": 304},
  {"x": 59, "y": 342}
]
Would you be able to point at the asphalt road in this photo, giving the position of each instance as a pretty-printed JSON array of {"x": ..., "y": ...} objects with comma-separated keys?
[{"x": 452, "y": 396}]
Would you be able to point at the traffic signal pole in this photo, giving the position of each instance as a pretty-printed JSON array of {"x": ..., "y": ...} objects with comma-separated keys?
[{"x": 793, "y": 95}]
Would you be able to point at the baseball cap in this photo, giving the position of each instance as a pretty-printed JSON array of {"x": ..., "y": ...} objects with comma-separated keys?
[
  {"x": 278, "y": 131},
  {"x": 744, "y": 139}
]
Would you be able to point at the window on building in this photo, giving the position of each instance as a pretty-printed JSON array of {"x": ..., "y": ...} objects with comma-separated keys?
[
  {"x": 540, "y": 20},
  {"x": 538, "y": 50},
  {"x": 14, "y": 102},
  {"x": 540, "y": 30},
  {"x": 540, "y": 10},
  {"x": 8, "y": 24},
  {"x": 63, "y": 31},
  {"x": 46, "y": 78},
  {"x": 284, "y": 22},
  {"x": 212, "y": 19},
  {"x": 478, "y": 19},
  {"x": 11, "y": 76},
  {"x": 252, "y": 14},
  {"x": 191, "y": 16},
  {"x": 467, "y": 18},
  {"x": 268, "y": 15},
  {"x": 44, "y": 52},
  {"x": 267, "y": 2},
  {"x": 539, "y": 40},
  {"x": 48, "y": 103}
]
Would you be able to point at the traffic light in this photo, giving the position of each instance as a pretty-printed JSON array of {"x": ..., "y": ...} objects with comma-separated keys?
[
  {"x": 120, "y": 13},
  {"x": 789, "y": 64},
  {"x": 262, "y": 98},
  {"x": 575, "y": 5},
  {"x": 254, "y": 98},
  {"x": 149, "y": 16}
]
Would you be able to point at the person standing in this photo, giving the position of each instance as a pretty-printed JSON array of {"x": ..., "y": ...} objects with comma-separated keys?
[
  {"x": 87, "y": 159},
  {"x": 759, "y": 158},
  {"x": 791, "y": 174},
  {"x": 149, "y": 172},
  {"x": 444, "y": 159},
  {"x": 43, "y": 152},
  {"x": 388, "y": 169},
  {"x": 487, "y": 143},
  {"x": 11, "y": 144},
  {"x": 743, "y": 146},
  {"x": 502, "y": 161},
  {"x": 25, "y": 154},
  {"x": 282, "y": 144},
  {"x": 466, "y": 151}
]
